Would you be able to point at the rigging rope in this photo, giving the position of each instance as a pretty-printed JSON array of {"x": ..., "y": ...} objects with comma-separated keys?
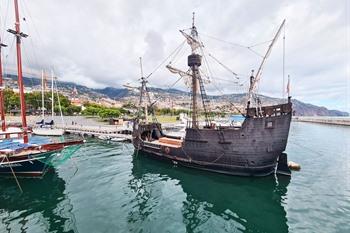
[
  {"x": 214, "y": 83},
  {"x": 238, "y": 45},
  {"x": 220, "y": 63},
  {"x": 6, "y": 60},
  {"x": 162, "y": 63},
  {"x": 256, "y": 53},
  {"x": 261, "y": 43},
  {"x": 59, "y": 103},
  {"x": 5, "y": 21},
  {"x": 223, "y": 41}
]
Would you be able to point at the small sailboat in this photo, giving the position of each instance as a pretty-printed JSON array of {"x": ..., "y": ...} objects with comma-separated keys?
[
  {"x": 48, "y": 128},
  {"x": 22, "y": 157},
  {"x": 104, "y": 137},
  {"x": 119, "y": 139}
]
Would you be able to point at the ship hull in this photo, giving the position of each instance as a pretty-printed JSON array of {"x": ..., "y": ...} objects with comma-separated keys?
[
  {"x": 28, "y": 165},
  {"x": 32, "y": 164},
  {"x": 217, "y": 168},
  {"x": 250, "y": 150}
]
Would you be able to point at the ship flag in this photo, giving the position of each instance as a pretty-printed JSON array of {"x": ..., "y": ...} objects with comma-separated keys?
[{"x": 288, "y": 86}]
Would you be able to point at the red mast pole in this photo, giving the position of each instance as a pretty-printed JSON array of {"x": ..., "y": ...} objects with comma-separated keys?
[
  {"x": 2, "y": 107},
  {"x": 19, "y": 34}
]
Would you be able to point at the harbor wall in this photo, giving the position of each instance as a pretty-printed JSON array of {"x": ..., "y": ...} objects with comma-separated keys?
[{"x": 324, "y": 120}]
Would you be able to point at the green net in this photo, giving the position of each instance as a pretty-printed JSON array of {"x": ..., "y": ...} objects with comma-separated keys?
[{"x": 64, "y": 155}]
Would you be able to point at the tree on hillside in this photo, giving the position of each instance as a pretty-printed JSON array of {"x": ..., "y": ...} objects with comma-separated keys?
[
  {"x": 33, "y": 101},
  {"x": 109, "y": 113}
]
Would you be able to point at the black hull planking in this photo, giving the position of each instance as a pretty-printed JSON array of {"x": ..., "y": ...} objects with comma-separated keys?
[
  {"x": 251, "y": 150},
  {"x": 236, "y": 171}
]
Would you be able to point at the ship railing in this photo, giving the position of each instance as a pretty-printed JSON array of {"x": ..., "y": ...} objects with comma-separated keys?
[
  {"x": 270, "y": 111},
  {"x": 151, "y": 145}
]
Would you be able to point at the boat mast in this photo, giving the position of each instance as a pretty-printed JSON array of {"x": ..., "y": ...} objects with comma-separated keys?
[
  {"x": 256, "y": 79},
  {"x": 17, "y": 32},
  {"x": 143, "y": 90},
  {"x": 2, "y": 106},
  {"x": 42, "y": 95},
  {"x": 52, "y": 96},
  {"x": 194, "y": 61}
]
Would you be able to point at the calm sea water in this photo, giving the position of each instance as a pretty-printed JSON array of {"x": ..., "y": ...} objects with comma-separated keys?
[{"x": 104, "y": 188}]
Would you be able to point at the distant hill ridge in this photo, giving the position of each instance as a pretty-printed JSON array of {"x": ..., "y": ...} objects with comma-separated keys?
[{"x": 301, "y": 108}]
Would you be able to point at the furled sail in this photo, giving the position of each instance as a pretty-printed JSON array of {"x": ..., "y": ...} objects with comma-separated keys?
[
  {"x": 185, "y": 75},
  {"x": 191, "y": 41},
  {"x": 177, "y": 71}
]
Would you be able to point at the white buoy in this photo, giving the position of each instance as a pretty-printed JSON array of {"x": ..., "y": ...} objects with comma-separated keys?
[{"x": 294, "y": 166}]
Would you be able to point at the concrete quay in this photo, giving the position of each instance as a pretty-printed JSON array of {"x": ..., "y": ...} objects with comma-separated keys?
[{"x": 86, "y": 126}]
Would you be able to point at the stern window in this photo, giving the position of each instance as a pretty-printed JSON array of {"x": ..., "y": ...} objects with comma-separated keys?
[{"x": 269, "y": 124}]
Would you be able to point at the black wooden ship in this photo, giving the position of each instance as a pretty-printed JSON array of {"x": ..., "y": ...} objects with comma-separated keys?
[{"x": 253, "y": 149}]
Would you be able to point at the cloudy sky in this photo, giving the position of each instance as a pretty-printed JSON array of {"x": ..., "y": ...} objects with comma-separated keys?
[{"x": 98, "y": 43}]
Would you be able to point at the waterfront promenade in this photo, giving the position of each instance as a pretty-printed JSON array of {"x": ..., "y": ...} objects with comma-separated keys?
[{"x": 89, "y": 126}]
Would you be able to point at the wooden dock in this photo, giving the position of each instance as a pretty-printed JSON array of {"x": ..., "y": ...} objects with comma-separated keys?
[
  {"x": 345, "y": 121},
  {"x": 95, "y": 131}
]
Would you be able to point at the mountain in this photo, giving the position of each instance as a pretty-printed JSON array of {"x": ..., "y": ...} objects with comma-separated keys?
[
  {"x": 123, "y": 94},
  {"x": 305, "y": 109},
  {"x": 113, "y": 93},
  {"x": 301, "y": 108}
]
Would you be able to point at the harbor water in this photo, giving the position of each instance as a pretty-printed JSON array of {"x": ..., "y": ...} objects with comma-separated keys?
[{"x": 105, "y": 187}]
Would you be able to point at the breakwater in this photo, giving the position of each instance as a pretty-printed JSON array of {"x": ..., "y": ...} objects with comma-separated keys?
[{"x": 324, "y": 120}]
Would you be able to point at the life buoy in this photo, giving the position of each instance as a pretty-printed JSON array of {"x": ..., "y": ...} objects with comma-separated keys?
[{"x": 167, "y": 150}]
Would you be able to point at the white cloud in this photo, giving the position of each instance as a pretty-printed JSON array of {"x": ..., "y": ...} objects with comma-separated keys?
[{"x": 98, "y": 43}]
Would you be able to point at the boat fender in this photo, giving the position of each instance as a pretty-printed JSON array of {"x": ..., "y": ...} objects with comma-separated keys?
[
  {"x": 294, "y": 166},
  {"x": 167, "y": 150}
]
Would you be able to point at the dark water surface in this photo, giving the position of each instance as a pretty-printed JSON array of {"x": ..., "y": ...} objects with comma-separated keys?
[{"x": 104, "y": 188}]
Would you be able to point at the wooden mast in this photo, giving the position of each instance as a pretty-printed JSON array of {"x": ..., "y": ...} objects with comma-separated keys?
[
  {"x": 52, "y": 96},
  {"x": 143, "y": 91},
  {"x": 194, "y": 61},
  {"x": 17, "y": 32},
  {"x": 257, "y": 77},
  {"x": 42, "y": 95},
  {"x": 2, "y": 106}
]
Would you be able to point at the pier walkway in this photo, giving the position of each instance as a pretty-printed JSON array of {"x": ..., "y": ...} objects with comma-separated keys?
[
  {"x": 95, "y": 131},
  {"x": 86, "y": 126}
]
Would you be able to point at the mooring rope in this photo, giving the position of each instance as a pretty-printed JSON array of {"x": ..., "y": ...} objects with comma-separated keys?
[{"x": 14, "y": 174}]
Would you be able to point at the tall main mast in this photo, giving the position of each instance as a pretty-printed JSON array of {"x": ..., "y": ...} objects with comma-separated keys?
[
  {"x": 194, "y": 61},
  {"x": 17, "y": 32}
]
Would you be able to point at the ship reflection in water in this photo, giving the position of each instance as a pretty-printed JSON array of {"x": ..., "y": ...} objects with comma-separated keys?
[
  {"x": 243, "y": 203},
  {"x": 42, "y": 207}
]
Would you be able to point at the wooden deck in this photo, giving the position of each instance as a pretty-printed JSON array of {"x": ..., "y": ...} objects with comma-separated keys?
[{"x": 166, "y": 142}]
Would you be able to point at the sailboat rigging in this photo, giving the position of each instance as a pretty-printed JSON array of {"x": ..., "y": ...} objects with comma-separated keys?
[
  {"x": 47, "y": 128},
  {"x": 22, "y": 158}
]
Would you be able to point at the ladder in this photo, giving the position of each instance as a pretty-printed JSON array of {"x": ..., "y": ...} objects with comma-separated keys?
[{"x": 205, "y": 102}]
